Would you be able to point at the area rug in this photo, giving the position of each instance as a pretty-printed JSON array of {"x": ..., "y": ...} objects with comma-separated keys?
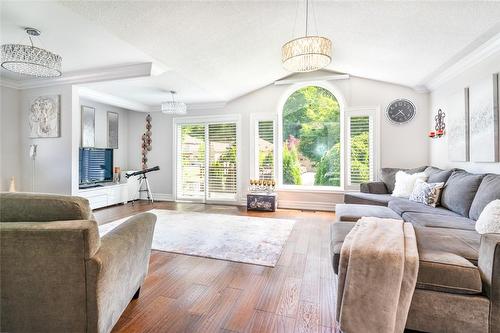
[{"x": 246, "y": 239}]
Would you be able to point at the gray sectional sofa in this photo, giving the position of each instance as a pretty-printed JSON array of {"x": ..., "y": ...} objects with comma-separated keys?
[{"x": 458, "y": 284}]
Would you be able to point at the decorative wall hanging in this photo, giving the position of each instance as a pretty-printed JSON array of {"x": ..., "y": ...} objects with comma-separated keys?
[
  {"x": 440, "y": 125},
  {"x": 44, "y": 118},
  {"x": 483, "y": 120},
  {"x": 88, "y": 126},
  {"x": 458, "y": 126},
  {"x": 146, "y": 142},
  {"x": 401, "y": 111},
  {"x": 113, "y": 120}
]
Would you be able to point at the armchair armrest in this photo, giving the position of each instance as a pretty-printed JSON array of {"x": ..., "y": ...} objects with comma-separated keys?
[
  {"x": 373, "y": 187},
  {"x": 117, "y": 270},
  {"x": 489, "y": 266}
]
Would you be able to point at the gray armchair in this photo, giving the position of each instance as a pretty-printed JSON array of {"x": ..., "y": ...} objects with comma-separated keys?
[{"x": 57, "y": 274}]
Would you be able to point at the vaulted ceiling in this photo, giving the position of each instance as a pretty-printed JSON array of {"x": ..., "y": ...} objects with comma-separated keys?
[{"x": 218, "y": 50}]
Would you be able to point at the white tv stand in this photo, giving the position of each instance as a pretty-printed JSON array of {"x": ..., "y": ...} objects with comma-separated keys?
[
  {"x": 106, "y": 194},
  {"x": 109, "y": 194}
]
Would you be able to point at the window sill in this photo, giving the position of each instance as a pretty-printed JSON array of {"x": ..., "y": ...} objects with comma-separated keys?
[{"x": 333, "y": 190}]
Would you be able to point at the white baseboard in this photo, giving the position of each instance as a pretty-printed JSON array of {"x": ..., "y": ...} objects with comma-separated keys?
[
  {"x": 290, "y": 204},
  {"x": 307, "y": 205},
  {"x": 158, "y": 196}
]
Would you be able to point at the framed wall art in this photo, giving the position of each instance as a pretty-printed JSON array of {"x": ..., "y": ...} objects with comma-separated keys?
[
  {"x": 88, "y": 126},
  {"x": 484, "y": 120},
  {"x": 113, "y": 119},
  {"x": 458, "y": 126},
  {"x": 45, "y": 117}
]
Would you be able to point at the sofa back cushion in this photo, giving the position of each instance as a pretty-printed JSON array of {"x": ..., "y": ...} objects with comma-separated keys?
[
  {"x": 488, "y": 191},
  {"x": 388, "y": 175},
  {"x": 436, "y": 175},
  {"x": 37, "y": 207},
  {"x": 459, "y": 191}
]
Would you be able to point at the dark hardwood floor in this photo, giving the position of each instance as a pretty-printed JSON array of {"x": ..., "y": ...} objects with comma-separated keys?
[{"x": 193, "y": 294}]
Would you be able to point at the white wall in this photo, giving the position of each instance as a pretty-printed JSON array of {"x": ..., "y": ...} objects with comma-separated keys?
[
  {"x": 401, "y": 146},
  {"x": 10, "y": 138},
  {"x": 120, "y": 155},
  {"x": 54, "y": 161},
  {"x": 439, "y": 147},
  {"x": 161, "y": 154}
]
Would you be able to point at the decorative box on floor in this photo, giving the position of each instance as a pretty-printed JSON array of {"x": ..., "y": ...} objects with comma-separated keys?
[{"x": 262, "y": 201}]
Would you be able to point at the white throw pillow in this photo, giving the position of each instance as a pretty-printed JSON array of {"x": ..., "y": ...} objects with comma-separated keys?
[
  {"x": 405, "y": 183},
  {"x": 426, "y": 193},
  {"x": 489, "y": 220}
]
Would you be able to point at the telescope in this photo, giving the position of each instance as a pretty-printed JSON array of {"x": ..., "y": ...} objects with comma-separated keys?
[
  {"x": 142, "y": 172},
  {"x": 143, "y": 180}
]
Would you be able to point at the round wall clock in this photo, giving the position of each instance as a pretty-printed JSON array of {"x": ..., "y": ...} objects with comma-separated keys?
[{"x": 401, "y": 111}]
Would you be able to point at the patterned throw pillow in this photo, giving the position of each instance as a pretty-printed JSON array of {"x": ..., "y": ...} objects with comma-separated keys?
[{"x": 426, "y": 193}]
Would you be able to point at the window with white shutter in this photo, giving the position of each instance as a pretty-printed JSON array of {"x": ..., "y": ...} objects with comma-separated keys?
[
  {"x": 206, "y": 159},
  {"x": 222, "y": 180},
  {"x": 265, "y": 149},
  {"x": 360, "y": 156},
  {"x": 191, "y": 161}
]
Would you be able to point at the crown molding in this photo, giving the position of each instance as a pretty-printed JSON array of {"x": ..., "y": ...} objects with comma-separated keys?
[
  {"x": 86, "y": 76},
  {"x": 484, "y": 51},
  {"x": 8, "y": 83},
  {"x": 112, "y": 100},
  {"x": 312, "y": 78},
  {"x": 206, "y": 106},
  {"x": 421, "y": 89}
]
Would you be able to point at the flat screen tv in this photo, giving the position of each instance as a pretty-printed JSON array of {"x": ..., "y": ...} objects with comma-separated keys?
[{"x": 96, "y": 165}]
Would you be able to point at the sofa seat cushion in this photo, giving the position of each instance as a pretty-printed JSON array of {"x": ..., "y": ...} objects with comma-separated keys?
[
  {"x": 401, "y": 206},
  {"x": 338, "y": 231},
  {"x": 488, "y": 191},
  {"x": 439, "y": 221},
  {"x": 352, "y": 213},
  {"x": 459, "y": 191},
  {"x": 367, "y": 199},
  {"x": 448, "y": 260}
]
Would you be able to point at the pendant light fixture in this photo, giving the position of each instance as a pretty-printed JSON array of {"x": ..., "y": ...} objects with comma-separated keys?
[
  {"x": 29, "y": 59},
  {"x": 173, "y": 107},
  {"x": 308, "y": 53}
]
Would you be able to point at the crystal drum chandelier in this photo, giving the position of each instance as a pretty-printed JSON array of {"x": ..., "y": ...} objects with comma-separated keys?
[
  {"x": 31, "y": 60},
  {"x": 308, "y": 53},
  {"x": 173, "y": 107}
]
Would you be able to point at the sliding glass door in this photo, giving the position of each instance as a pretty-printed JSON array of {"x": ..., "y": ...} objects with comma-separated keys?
[
  {"x": 191, "y": 162},
  {"x": 206, "y": 161}
]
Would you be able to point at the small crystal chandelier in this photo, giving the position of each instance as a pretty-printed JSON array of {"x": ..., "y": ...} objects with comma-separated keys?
[
  {"x": 308, "y": 53},
  {"x": 30, "y": 60},
  {"x": 173, "y": 107}
]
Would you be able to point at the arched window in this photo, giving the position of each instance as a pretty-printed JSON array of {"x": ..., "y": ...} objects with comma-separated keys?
[{"x": 311, "y": 138}]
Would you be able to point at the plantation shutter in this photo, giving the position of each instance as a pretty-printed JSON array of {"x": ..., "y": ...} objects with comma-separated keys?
[
  {"x": 360, "y": 149},
  {"x": 265, "y": 149},
  {"x": 222, "y": 180},
  {"x": 191, "y": 161}
]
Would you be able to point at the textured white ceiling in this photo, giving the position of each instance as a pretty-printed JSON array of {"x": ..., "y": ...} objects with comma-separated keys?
[
  {"x": 219, "y": 50},
  {"x": 82, "y": 45}
]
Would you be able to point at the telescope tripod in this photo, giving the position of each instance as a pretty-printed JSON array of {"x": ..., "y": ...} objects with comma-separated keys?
[{"x": 144, "y": 180}]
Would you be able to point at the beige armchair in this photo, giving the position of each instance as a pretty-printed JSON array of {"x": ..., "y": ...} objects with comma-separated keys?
[{"x": 57, "y": 274}]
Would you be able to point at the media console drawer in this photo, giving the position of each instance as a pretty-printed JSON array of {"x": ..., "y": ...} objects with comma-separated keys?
[{"x": 105, "y": 195}]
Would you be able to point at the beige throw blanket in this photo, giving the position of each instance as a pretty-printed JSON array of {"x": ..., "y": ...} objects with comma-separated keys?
[{"x": 377, "y": 276}]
